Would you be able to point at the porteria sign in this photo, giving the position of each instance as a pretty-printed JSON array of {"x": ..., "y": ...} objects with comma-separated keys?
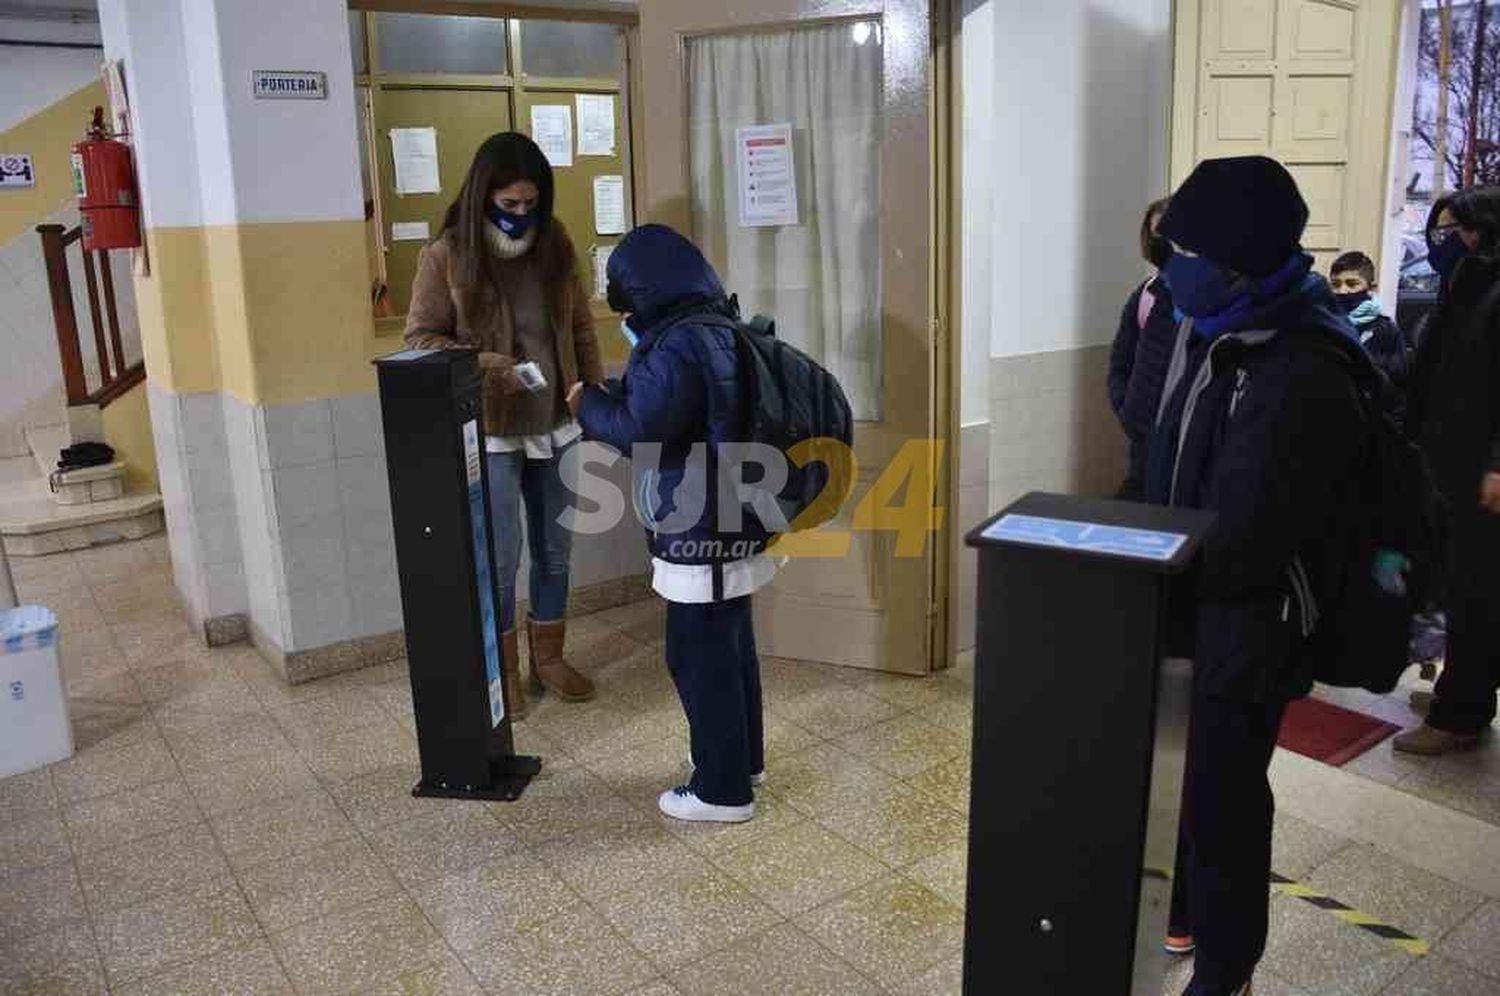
[{"x": 274, "y": 84}]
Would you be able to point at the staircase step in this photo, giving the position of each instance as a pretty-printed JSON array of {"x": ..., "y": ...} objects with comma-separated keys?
[
  {"x": 33, "y": 525},
  {"x": 47, "y": 443},
  {"x": 89, "y": 484}
]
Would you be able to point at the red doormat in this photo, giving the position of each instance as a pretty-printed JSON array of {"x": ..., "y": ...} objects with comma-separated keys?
[{"x": 1330, "y": 733}]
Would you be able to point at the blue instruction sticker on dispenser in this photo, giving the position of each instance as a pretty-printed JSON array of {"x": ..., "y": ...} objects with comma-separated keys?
[{"x": 1087, "y": 537}]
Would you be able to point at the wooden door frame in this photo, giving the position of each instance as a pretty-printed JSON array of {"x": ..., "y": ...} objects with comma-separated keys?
[{"x": 657, "y": 54}]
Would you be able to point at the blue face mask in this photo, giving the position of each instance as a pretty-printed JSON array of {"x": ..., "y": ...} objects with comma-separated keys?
[
  {"x": 1199, "y": 287},
  {"x": 628, "y": 332},
  {"x": 1445, "y": 257},
  {"x": 514, "y": 225}
]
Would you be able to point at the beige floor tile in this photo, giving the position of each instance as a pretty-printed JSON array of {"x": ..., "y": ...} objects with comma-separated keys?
[
  {"x": 1437, "y": 976},
  {"x": 442, "y": 843},
  {"x": 1309, "y": 948},
  {"x": 1475, "y": 943},
  {"x": 1479, "y": 799},
  {"x": 598, "y": 729},
  {"x": 340, "y": 954},
  {"x": 95, "y": 772},
  {"x": 280, "y": 829},
  {"x": 951, "y": 714},
  {"x": 898, "y": 829},
  {"x": 92, "y": 654},
  {"x": 137, "y": 599},
  {"x": 384, "y": 797},
  {"x": 99, "y": 727},
  {"x": 474, "y": 907},
  {"x": 115, "y": 688},
  {"x": 772, "y": 815},
  {"x": 644, "y": 621},
  {"x": 116, "y": 562},
  {"x": 782, "y": 960},
  {"x": 162, "y": 640},
  {"x": 1417, "y": 902},
  {"x": 198, "y": 680},
  {"x": 38, "y": 577},
  {"x": 947, "y": 979},
  {"x": 271, "y": 687},
  {"x": 906, "y": 692},
  {"x": 248, "y": 970},
  {"x": 685, "y": 917},
  {"x": 343, "y": 756},
  {"x": 642, "y": 773},
  {"x": 316, "y": 720},
  {"x": 1297, "y": 847},
  {"x": 825, "y": 777},
  {"x": 905, "y": 747},
  {"x": 602, "y": 860},
  {"x": 76, "y": 611},
  {"x": 333, "y": 878},
  {"x": 183, "y": 859},
  {"x": 61, "y": 962},
  {"x": 945, "y": 873},
  {"x": 892, "y": 930},
  {"x": 33, "y": 842},
  {"x": 562, "y": 802},
  {"x": 657, "y": 988},
  {"x": 393, "y": 697},
  {"x": 573, "y": 953},
  {"x": 25, "y": 795},
  {"x": 833, "y": 711},
  {"x": 783, "y": 680},
  {"x": 203, "y": 740},
  {"x": 949, "y": 783},
  {"x": 172, "y": 930},
  {"x": 800, "y": 868},
  {"x": 250, "y": 782},
  {"x": 96, "y": 825},
  {"x": 38, "y": 899},
  {"x": 448, "y": 977},
  {"x": 533, "y": 742}
]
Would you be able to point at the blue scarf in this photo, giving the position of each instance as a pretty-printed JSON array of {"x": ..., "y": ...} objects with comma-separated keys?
[
  {"x": 1366, "y": 313},
  {"x": 1242, "y": 311}
]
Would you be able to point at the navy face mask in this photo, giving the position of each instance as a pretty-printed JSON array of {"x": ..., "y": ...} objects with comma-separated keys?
[
  {"x": 1445, "y": 257},
  {"x": 1200, "y": 288},
  {"x": 1348, "y": 302},
  {"x": 514, "y": 225}
]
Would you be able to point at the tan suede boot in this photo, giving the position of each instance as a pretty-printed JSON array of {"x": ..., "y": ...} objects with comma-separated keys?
[
  {"x": 548, "y": 666},
  {"x": 510, "y": 675}
]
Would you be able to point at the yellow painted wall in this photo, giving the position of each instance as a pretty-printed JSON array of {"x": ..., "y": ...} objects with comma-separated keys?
[
  {"x": 127, "y": 427},
  {"x": 48, "y": 137}
]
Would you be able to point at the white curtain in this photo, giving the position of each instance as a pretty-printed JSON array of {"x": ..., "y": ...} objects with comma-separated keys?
[{"x": 819, "y": 279}]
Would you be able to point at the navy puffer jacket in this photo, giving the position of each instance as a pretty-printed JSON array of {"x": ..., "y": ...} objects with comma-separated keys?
[{"x": 680, "y": 390}]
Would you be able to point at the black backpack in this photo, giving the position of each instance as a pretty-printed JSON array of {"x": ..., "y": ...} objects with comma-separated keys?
[
  {"x": 791, "y": 399},
  {"x": 1363, "y": 633}
]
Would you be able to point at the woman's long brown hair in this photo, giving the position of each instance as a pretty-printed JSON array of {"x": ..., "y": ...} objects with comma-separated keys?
[{"x": 502, "y": 160}]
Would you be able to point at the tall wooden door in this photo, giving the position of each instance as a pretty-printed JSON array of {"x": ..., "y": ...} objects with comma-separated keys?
[
  {"x": 1308, "y": 82},
  {"x": 852, "y": 277}
]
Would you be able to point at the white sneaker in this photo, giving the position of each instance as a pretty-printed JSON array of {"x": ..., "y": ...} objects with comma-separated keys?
[
  {"x": 681, "y": 803},
  {"x": 756, "y": 780}
]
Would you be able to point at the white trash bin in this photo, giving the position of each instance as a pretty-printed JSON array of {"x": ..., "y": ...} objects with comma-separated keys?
[{"x": 34, "y": 727}]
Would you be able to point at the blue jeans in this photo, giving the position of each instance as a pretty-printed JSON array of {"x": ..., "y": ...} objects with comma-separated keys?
[{"x": 539, "y": 484}]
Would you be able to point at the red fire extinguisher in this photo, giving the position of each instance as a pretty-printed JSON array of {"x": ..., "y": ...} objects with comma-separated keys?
[{"x": 104, "y": 177}]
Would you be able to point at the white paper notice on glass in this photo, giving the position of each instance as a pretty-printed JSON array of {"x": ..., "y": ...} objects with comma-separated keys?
[
  {"x": 410, "y": 231},
  {"x": 767, "y": 175},
  {"x": 414, "y": 151},
  {"x": 552, "y": 129},
  {"x": 609, "y": 205},
  {"x": 596, "y": 124},
  {"x": 601, "y": 271}
]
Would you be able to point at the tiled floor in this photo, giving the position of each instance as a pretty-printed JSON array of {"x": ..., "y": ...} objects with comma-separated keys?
[{"x": 220, "y": 832}]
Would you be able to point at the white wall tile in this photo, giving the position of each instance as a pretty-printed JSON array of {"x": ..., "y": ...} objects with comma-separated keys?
[
  {"x": 370, "y": 545},
  {"x": 312, "y": 555},
  {"x": 224, "y": 590},
  {"x": 364, "y": 487},
  {"x": 294, "y": 435},
  {"x": 302, "y": 494},
  {"x": 317, "y": 616},
  {"x": 375, "y": 606},
  {"x": 209, "y": 480},
  {"x": 357, "y": 428},
  {"x": 219, "y": 535},
  {"x": 202, "y": 423}
]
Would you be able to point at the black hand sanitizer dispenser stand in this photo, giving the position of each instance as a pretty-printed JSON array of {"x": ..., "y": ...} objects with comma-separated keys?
[
  {"x": 1080, "y": 730},
  {"x": 434, "y": 438}
]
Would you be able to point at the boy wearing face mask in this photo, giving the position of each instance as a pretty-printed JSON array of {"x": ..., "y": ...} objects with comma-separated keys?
[
  {"x": 1352, "y": 278},
  {"x": 1258, "y": 411}
]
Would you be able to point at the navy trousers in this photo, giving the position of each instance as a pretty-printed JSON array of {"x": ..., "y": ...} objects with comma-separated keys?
[
  {"x": 711, "y": 654},
  {"x": 1221, "y": 889}
]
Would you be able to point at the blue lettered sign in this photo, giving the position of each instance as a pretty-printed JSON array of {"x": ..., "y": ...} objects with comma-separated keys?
[{"x": 1087, "y": 537}]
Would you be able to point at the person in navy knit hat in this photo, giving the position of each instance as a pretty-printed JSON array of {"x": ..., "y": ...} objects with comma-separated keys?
[{"x": 1255, "y": 424}]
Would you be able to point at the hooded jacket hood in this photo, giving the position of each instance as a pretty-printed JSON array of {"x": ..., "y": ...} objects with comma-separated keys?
[{"x": 655, "y": 273}]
